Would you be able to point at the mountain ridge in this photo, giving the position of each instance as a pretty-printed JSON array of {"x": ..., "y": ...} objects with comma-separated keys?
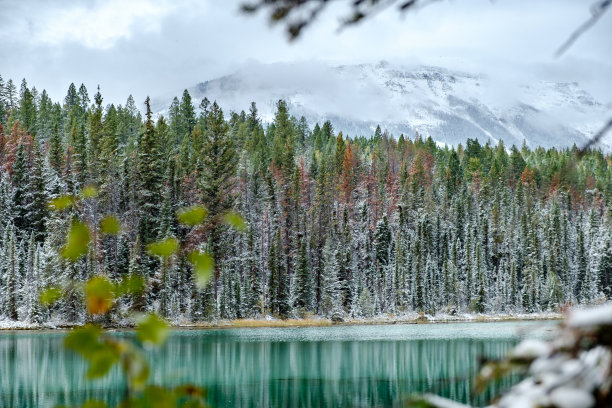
[{"x": 448, "y": 105}]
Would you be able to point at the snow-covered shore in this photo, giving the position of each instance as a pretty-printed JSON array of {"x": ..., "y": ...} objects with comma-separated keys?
[{"x": 269, "y": 321}]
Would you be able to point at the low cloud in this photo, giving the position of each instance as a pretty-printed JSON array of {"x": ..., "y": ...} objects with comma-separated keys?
[{"x": 151, "y": 47}]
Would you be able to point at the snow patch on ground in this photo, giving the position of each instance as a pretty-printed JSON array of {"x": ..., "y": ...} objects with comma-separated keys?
[
  {"x": 16, "y": 325},
  {"x": 409, "y": 317}
]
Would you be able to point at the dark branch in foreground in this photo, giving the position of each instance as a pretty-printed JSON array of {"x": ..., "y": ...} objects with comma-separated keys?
[
  {"x": 597, "y": 10},
  {"x": 597, "y": 137},
  {"x": 298, "y": 14}
]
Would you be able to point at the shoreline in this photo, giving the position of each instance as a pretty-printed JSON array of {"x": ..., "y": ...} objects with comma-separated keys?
[
  {"x": 381, "y": 321},
  {"x": 269, "y": 322}
]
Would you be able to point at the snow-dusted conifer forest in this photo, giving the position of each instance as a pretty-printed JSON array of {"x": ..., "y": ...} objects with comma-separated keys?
[{"x": 335, "y": 226}]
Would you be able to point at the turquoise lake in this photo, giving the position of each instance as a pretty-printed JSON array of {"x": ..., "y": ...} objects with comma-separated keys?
[{"x": 338, "y": 366}]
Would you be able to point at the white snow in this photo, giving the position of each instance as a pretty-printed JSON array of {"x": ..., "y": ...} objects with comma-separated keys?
[
  {"x": 560, "y": 378},
  {"x": 531, "y": 348},
  {"x": 448, "y": 105},
  {"x": 581, "y": 318},
  {"x": 571, "y": 398}
]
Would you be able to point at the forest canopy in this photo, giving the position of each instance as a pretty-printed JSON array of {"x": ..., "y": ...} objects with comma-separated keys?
[{"x": 331, "y": 225}]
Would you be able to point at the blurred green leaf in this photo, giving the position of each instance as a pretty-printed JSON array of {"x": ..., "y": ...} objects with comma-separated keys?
[
  {"x": 94, "y": 404},
  {"x": 235, "y": 220},
  {"x": 50, "y": 295},
  {"x": 156, "y": 396},
  {"x": 129, "y": 285},
  {"x": 192, "y": 216},
  {"x": 89, "y": 192},
  {"x": 136, "y": 368},
  {"x": 76, "y": 242},
  {"x": 152, "y": 329},
  {"x": 203, "y": 267},
  {"x": 61, "y": 203},
  {"x": 110, "y": 225},
  {"x": 420, "y": 401},
  {"x": 88, "y": 342},
  {"x": 101, "y": 361},
  {"x": 164, "y": 248},
  {"x": 190, "y": 390},
  {"x": 99, "y": 295},
  {"x": 83, "y": 340}
]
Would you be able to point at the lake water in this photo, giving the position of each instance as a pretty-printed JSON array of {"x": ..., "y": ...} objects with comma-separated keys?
[{"x": 352, "y": 366}]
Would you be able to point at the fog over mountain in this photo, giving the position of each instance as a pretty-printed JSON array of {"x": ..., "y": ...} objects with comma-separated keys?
[{"x": 449, "y": 105}]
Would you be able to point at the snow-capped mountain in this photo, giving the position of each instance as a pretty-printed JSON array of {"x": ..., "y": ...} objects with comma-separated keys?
[{"x": 451, "y": 106}]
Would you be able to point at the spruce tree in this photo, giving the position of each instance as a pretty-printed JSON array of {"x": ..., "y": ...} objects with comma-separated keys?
[
  {"x": 382, "y": 238},
  {"x": 11, "y": 273},
  {"x": 27, "y": 110},
  {"x": 21, "y": 194},
  {"x": 330, "y": 297},
  {"x": 150, "y": 178},
  {"x": 304, "y": 281},
  {"x": 95, "y": 131},
  {"x": 282, "y": 144},
  {"x": 217, "y": 178},
  {"x": 37, "y": 206},
  {"x": 56, "y": 149}
]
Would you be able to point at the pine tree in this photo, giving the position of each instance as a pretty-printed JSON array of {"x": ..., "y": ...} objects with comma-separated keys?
[
  {"x": 56, "y": 149},
  {"x": 187, "y": 114},
  {"x": 27, "y": 110},
  {"x": 37, "y": 209},
  {"x": 217, "y": 178},
  {"x": 254, "y": 300},
  {"x": 304, "y": 281},
  {"x": 553, "y": 291},
  {"x": 10, "y": 94},
  {"x": 581, "y": 290},
  {"x": 330, "y": 297},
  {"x": 282, "y": 144},
  {"x": 95, "y": 132},
  {"x": 382, "y": 238},
  {"x": 45, "y": 117},
  {"x": 150, "y": 178},
  {"x": 21, "y": 196},
  {"x": 273, "y": 300},
  {"x": 11, "y": 273},
  {"x": 79, "y": 146},
  {"x": 31, "y": 283}
]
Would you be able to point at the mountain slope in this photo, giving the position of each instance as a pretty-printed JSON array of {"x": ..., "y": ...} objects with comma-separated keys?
[{"x": 448, "y": 105}]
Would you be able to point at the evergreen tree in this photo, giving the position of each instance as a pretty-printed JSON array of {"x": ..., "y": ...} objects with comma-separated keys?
[
  {"x": 382, "y": 238},
  {"x": 11, "y": 273},
  {"x": 21, "y": 194},
  {"x": 330, "y": 299},
  {"x": 56, "y": 149},
  {"x": 217, "y": 177},
  {"x": 149, "y": 184},
  {"x": 304, "y": 281},
  {"x": 27, "y": 109},
  {"x": 95, "y": 131},
  {"x": 282, "y": 144},
  {"x": 37, "y": 206}
]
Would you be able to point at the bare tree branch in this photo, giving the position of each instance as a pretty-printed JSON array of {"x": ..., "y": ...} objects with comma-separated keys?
[
  {"x": 596, "y": 137},
  {"x": 298, "y": 14},
  {"x": 597, "y": 10}
]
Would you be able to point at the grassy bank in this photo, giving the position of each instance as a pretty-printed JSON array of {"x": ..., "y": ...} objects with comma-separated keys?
[{"x": 380, "y": 320}]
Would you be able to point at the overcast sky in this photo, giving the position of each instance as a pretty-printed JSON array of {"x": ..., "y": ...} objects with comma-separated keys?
[{"x": 158, "y": 47}]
